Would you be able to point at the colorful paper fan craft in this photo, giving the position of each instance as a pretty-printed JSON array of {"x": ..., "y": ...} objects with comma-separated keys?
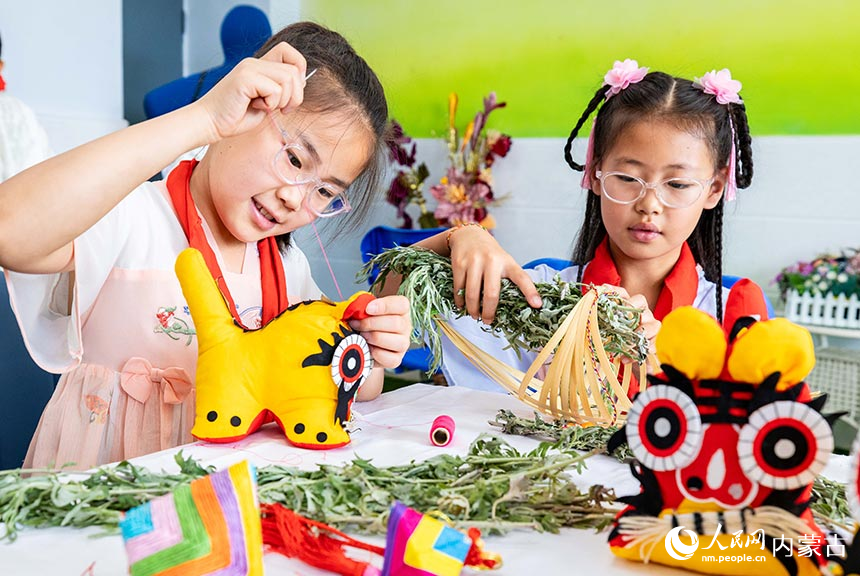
[
  {"x": 210, "y": 526},
  {"x": 728, "y": 442},
  {"x": 301, "y": 370}
]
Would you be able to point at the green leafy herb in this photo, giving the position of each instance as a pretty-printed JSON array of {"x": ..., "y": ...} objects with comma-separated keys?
[
  {"x": 494, "y": 487},
  {"x": 829, "y": 505},
  {"x": 428, "y": 283},
  {"x": 49, "y": 498},
  {"x": 566, "y": 435}
]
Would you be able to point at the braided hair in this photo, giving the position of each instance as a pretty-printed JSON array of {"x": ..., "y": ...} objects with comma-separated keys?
[{"x": 659, "y": 96}]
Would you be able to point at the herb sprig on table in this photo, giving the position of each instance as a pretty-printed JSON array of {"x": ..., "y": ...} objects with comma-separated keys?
[
  {"x": 565, "y": 435},
  {"x": 494, "y": 487},
  {"x": 428, "y": 283}
]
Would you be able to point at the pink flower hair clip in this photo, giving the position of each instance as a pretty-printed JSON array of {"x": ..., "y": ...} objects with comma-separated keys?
[
  {"x": 622, "y": 75},
  {"x": 725, "y": 89},
  {"x": 721, "y": 85}
]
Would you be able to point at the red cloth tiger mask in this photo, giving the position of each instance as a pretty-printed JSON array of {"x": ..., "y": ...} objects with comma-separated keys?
[{"x": 727, "y": 443}]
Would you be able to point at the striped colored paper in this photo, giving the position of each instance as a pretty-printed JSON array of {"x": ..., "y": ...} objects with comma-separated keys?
[{"x": 210, "y": 526}]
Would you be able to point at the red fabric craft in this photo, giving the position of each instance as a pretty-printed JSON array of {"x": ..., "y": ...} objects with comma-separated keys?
[{"x": 727, "y": 442}]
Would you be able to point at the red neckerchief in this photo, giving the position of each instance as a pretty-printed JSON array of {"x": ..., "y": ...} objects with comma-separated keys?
[
  {"x": 679, "y": 288},
  {"x": 272, "y": 279},
  {"x": 2, "y": 84}
]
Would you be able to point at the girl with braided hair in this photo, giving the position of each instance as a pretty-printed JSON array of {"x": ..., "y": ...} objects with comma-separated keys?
[{"x": 664, "y": 155}]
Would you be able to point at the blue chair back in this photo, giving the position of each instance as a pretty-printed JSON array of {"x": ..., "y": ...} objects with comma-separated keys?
[
  {"x": 24, "y": 388},
  {"x": 556, "y": 263},
  {"x": 381, "y": 238}
]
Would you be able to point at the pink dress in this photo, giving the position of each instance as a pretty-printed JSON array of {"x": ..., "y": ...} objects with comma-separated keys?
[{"x": 126, "y": 349}]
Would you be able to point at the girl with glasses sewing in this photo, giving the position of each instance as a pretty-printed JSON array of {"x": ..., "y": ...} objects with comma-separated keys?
[{"x": 294, "y": 134}]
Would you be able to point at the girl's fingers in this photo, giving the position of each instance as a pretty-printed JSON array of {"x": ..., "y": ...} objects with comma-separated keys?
[
  {"x": 394, "y": 343},
  {"x": 283, "y": 53},
  {"x": 647, "y": 322},
  {"x": 459, "y": 285},
  {"x": 652, "y": 327},
  {"x": 293, "y": 93},
  {"x": 385, "y": 358},
  {"x": 397, "y": 305},
  {"x": 274, "y": 82},
  {"x": 492, "y": 286},
  {"x": 294, "y": 87},
  {"x": 271, "y": 92},
  {"x": 291, "y": 85},
  {"x": 524, "y": 282},
  {"x": 473, "y": 292},
  {"x": 393, "y": 323},
  {"x": 637, "y": 301},
  {"x": 622, "y": 293}
]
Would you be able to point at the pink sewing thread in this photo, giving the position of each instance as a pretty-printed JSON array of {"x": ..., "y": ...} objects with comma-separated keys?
[{"x": 442, "y": 430}]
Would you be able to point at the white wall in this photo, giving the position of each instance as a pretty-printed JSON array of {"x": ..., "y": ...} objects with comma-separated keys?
[
  {"x": 64, "y": 59},
  {"x": 805, "y": 199}
]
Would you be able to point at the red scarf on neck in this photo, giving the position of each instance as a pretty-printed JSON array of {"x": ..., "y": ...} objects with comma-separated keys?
[
  {"x": 272, "y": 279},
  {"x": 679, "y": 288},
  {"x": 2, "y": 84}
]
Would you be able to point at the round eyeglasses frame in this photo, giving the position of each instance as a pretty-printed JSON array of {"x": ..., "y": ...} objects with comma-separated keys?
[
  {"x": 656, "y": 186},
  {"x": 310, "y": 184}
]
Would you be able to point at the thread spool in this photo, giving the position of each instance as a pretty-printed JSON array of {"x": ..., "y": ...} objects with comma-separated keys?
[{"x": 442, "y": 430}]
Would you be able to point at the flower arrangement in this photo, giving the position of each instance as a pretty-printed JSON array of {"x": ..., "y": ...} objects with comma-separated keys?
[
  {"x": 466, "y": 191},
  {"x": 406, "y": 185},
  {"x": 835, "y": 274}
]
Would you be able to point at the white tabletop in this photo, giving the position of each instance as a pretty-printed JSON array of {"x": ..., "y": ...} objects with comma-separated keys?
[{"x": 393, "y": 430}]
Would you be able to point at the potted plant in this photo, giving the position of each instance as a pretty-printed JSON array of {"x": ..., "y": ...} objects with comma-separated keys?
[{"x": 824, "y": 291}]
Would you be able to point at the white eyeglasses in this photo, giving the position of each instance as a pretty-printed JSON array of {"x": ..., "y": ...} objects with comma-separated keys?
[
  {"x": 623, "y": 188},
  {"x": 293, "y": 165}
]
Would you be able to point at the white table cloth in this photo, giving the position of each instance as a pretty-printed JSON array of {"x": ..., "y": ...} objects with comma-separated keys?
[{"x": 393, "y": 429}]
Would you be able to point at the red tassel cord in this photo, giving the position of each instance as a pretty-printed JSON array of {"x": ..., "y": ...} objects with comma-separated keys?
[
  {"x": 314, "y": 543},
  {"x": 478, "y": 558}
]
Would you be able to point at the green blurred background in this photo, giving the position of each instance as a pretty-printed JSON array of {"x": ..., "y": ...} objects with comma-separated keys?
[{"x": 799, "y": 61}]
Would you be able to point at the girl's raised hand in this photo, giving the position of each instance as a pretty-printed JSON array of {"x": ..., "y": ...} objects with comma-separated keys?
[
  {"x": 254, "y": 87},
  {"x": 387, "y": 329},
  {"x": 479, "y": 264}
]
